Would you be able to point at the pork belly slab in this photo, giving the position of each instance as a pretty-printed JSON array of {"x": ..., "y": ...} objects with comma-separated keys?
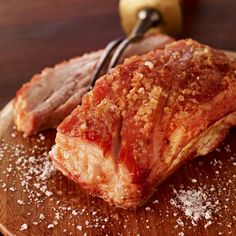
[
  {"x": 145, "y": 118},
  {"x": 52, "y": 95}
]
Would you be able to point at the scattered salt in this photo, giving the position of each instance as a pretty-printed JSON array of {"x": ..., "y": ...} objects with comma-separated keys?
[
  {"x": 34, "y": 170},
  {"x": 195, "y": 204}
]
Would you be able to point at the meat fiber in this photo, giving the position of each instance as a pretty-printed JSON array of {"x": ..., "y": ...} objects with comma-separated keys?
[
  {"x": 145, "y": 118},
  {"x": 52, "y": 95}
]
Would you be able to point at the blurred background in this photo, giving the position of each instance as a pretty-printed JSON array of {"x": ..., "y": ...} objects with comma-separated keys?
[{"x": 38, "y": 34}]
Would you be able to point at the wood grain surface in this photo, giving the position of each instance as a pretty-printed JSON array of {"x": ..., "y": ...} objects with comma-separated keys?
[
  {"x": 33, "y": 205},
  {"x": 36, "y": 34}
]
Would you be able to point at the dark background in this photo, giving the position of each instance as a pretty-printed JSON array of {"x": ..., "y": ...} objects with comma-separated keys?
[{"x": 35, "y": 34}]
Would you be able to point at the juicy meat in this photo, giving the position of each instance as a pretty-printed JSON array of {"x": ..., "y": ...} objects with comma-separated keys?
[
  {"x": 145, "y": 118},
  {"x": 52, "y": 95}
]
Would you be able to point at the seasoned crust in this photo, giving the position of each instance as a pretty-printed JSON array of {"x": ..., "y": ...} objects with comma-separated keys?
[{"x": 149, "y": 114}]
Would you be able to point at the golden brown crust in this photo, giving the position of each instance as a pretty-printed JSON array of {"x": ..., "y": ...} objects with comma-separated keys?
[{"x": 147, "y": 112}]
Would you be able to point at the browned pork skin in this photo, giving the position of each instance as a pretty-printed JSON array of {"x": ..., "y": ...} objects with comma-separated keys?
[
  {"x": 52, "y": 95},
  {"x": 145, "y": 118}
]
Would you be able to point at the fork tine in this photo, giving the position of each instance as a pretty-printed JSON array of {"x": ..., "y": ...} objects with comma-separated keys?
[
  {"x": 147, "y": 19},
  {"x": 120, "y": 49},
  {"x": 107, "y": 52}
]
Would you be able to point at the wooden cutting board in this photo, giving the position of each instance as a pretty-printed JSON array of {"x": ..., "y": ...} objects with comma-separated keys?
[{"x": 199, "y": 199}]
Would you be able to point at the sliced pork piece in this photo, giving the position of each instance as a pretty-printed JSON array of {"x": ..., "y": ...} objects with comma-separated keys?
[
  {"x": 52, "y": 95},
  {"x": 145, "y": 118}
]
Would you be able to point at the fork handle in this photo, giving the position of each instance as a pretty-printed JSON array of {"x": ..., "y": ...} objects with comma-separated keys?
[{"x": 170, "y": 10}]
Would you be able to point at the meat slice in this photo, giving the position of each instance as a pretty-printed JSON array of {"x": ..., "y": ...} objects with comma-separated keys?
[
  {"x": 52, "y": 95},
  {"x": 145, "y": 118}
]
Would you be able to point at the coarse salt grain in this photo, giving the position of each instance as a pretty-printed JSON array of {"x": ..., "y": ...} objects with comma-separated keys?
[
  {"x": 207, "y": 224},
  {"x": 20, "y": 202},
  {"x": 41, "y": 216},
  {"x": 42, "y": 137},
  {"x": 180, "y": 222},
  {"x": 55, "y": 222},
  {"x": 50, "y": 226},
  {"x": 57, "y": 215},
  {"x": 149, "y": 64},
  {"x": 48, "y": 193},
  {"x": 155, "y": 201},
  {"x": 74, "y": 213},
  {"x": 23, "y": 227}
]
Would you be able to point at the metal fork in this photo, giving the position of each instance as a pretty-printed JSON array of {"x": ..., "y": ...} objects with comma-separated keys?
[{"x": 147, "y": 18}]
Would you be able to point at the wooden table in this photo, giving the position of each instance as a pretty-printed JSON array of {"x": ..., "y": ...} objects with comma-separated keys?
[{"x": 36, "y": 34}]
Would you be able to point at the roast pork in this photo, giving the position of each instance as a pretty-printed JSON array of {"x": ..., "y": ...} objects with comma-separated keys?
[
  {"x": 52, "y": 95},
  {"x": 145, "y": 118}
]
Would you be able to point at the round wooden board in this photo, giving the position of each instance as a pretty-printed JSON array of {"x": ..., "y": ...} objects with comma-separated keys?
[{"x": 54, "y": 205}]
